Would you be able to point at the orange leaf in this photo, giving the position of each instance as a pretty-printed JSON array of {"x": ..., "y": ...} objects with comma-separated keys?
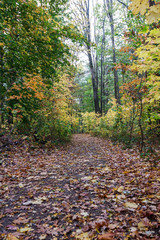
[{"x": 106, "y": 236}]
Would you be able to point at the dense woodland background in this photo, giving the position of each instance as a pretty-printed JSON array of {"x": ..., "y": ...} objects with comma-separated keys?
[{"x": 80, "y": 66}]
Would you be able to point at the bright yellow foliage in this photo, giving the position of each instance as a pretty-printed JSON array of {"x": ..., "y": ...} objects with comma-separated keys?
[
  {"x": 142, "y": 6},
  {"x": 149, "y": 61},
  {"x": 139, "y": 6}
]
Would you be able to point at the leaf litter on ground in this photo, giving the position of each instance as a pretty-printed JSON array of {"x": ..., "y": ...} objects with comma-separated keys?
[{"x": 89, "y": 189}]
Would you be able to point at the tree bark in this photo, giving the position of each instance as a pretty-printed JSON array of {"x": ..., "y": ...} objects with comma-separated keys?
[
  {"x": 110, "y": 16},
  {"x": 102, "y": 66},
  {"x": 91, "y": 65}
]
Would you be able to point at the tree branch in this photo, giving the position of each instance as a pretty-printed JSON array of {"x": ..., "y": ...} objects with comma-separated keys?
[{"x": 123, "y": 3}]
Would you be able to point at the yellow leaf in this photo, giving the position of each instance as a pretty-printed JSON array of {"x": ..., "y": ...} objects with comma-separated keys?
[
  {"x": 83, "y": 236},
  {"x": 120, "y": 189},
  {"x": 153, "y": 14},
  {"x": 139, "y": 6},
  {"x": 106, "y": 169},
  {"x": 155, "y": 33},
  {"x": 11, "y": 237},
  {"x": 43, "y": 236},
  {"x": 130, "y": 205},
  {"x": 142, "y": 226},
  {"x": 26, "y": 229}
]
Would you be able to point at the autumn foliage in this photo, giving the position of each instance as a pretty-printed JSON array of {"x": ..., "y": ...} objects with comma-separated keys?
[
  {"x": 36, "y": 74},
  {"x": 137, "y": 118}
]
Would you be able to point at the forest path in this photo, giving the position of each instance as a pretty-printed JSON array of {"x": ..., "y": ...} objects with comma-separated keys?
[{"x": 89, "y": 189}]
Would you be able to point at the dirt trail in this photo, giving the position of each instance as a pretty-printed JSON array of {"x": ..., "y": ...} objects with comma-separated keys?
[{"x": 89, "y": 189}]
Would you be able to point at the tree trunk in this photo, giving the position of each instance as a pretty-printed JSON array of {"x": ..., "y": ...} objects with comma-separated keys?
[
  {"x": 102, "y": 66},
  {"x": 106, "y": 91},
  {"x": 110, "y": 16},
  {"x": 95, "y": 90},
  {"x": 91, "y": 65}
]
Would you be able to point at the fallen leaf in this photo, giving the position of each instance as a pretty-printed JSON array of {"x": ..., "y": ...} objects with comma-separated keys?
[
  {"x": 21, "y": 220},
  {"x": 112, "y": 226},
  {"x": 149, "y": 233},
  {"x": 142, "y": 226},
  {"x": 83, "y": 236},
  {"x": 43, "y": 236},
  {"x": 100, "y": 223},
  {"x": 87, "y": 178},
  {"x": 106, "y": 236},
  {"x": 133, "y": 229},
  {"x": 27, "y": 203},
  {"x": 131, "y": 205},
  {"x": 38, "y": 201},
  {"x": 21, "y": 185},
  {"x": 106, "y": 169},
  {"x": 120, "y": 189},
  {"x": 11, "y": 237},
  {"x": 18, "y": 235},
  {"x": 12, "y": 227},
  {"x": 26, "y": 229},
  {"x": 84, "y": 214}
]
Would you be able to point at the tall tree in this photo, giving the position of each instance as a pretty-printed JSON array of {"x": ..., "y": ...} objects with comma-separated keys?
[
  {"x": 84, "y": 22},
  {"x": 109, "y": 8},
  {"x": 102, "y": 63},
  {"x": 92, "y": 64}
]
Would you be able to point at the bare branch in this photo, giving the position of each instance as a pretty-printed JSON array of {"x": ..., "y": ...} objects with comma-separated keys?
[{"x": 123, "y": 3}]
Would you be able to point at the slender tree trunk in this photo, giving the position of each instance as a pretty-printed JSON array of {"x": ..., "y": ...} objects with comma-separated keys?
[
  {"x": 110, "y": 16},
  {"x": 95, "y": 90},
  {"x": 106, "y": 93},
  {"x": 97, "y": 72},
  {"x": 102, "y": 66},
  {"x": 1, "y": 79},
  {"x": 132, "y": 122},
  {"x": 140, "y": 126},
  {"x": 102, "y": 81},
  {"x": 1, "y": 115},
  {"x": 142, "y": 144},
  {"x": 92, "y": 68}
]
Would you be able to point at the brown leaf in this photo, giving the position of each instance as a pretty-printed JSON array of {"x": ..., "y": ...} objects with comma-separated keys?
[
  {"x": 100, "y": 223},
  {"x": 106, "y": 236},
  {"x": 21, "y": 220},
  {"x": 112, "y": 226},
  {"x": 66, "y": 205},
  {"x": 87, "y": 228}
]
